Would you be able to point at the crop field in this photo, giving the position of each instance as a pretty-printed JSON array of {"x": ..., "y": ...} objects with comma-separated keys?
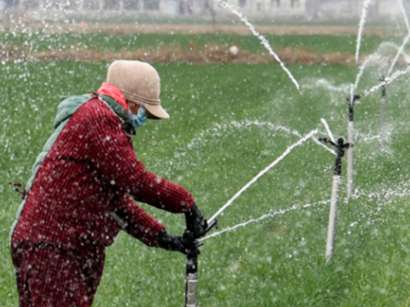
[{"x": 229, "y": 121}]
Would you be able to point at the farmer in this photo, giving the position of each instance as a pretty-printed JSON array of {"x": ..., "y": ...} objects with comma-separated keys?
[{"x": 83, "y": 188}]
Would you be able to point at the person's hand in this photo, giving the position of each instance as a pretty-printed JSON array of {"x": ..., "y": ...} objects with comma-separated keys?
[
  {"x": 195, "y": 222},
  {"x": 176, "y": 243}
]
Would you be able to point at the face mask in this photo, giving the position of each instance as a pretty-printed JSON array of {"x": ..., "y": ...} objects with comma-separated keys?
[{"x": 139, "y": 119}]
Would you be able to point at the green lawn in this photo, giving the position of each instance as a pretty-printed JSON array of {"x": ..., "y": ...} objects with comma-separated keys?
[{"x": 228, "y": 122}]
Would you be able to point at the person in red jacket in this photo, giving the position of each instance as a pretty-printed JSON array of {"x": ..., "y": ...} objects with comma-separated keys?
[{"x": 83, "y": 190}]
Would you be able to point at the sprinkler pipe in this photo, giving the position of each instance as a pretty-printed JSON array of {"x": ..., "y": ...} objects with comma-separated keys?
[
  {"x": 191, "y": 274},
  {"x": 340, "y": 148},
  {"x": 350, "y": 140},
  {"x": 383, "y": 112}
]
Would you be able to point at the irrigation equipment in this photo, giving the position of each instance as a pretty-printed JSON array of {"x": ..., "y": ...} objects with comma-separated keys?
[
  {"x": 350, "y": 140},
  {"x": 383, "y": 112},
  {"x": 340, "y": 148},
  {"x": 191, "y": 275}
]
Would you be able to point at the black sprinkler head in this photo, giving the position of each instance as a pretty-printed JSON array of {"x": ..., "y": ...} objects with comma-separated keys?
[{"x": 355, "y": 97}]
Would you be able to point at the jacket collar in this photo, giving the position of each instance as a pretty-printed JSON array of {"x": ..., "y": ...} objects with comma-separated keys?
[
  {"x": 120, "y": 112},
  {"x": 112, "y": 91}
]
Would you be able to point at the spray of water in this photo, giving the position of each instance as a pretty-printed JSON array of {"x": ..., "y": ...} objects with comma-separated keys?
[
  {"x": 403, "y": 11},
  {"x": 383, "y": 193},
  {"x": 324, "y": 146},
  {"x": 329, "y": 132},
  {"x": 228, "y": 229},
  {"x": 379, "y": 60},
  {"x": 315, "y": 83},
  {"x": 405, "y": 41},
  {"x": 376, "y": 57},
  {"x": 361, "y": 27},
  {"x": 372, "y": 59},
  {"x": 264, "y": 41},
  {"x": 393, "y": 46},
  {"x": 239, "y": 193},
  {"x": 387, "y": 81},
  {"x": 352, "y": 89},
  {"x": 400, "y": 51},
  {"x": 218, "y": 130},
  {"x": 263, "y": 217}
]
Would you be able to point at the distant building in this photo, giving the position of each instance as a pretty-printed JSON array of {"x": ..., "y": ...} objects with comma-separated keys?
[
  {"x": 267, "y": 8},
  {"x": 264, "y": 9}
]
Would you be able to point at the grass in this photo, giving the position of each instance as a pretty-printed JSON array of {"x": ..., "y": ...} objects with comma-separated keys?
[
  {"x": 321, "y": 44},
  {"x": 224, "y": 129}
]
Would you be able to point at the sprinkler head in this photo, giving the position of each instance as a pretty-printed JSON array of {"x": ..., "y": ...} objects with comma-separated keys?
[
  {"x": 211, "y": 224},
  {"x": 339, "y": 145},
  {"x": 355, "y": 97}
]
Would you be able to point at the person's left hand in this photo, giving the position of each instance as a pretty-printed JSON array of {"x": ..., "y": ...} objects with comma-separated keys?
[{"x": 176, "y": 243}]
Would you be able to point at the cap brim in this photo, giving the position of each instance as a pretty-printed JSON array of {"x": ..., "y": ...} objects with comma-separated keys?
[{"x": 156, "y": 112}]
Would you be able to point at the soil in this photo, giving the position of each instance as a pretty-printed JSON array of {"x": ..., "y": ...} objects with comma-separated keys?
[
  {"x": 239, "y": 28},
  {"x": 208, "y": 55}
]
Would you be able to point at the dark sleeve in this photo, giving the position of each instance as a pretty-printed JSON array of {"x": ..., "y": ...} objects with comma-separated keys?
[
  {"x": 136, "y": 222},
  {"x": 114, "y": 158}
]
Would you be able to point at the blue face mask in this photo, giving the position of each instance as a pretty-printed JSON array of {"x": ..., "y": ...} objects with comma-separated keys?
[{"x": 139, "y": 119}]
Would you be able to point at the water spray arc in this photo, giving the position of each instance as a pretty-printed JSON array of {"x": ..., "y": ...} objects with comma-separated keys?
[
  {"x": 361, "y": 27},
  {"x": 350, "y": 139},
  {"x": 405, "y": 41},
  {"x": 387, "y": 80},
  {"x": 340, "y": 148},
  {"x": 243, "y": 189},
  {"x": 400, "y": 52},
  {"x": 264, "y": 41}
]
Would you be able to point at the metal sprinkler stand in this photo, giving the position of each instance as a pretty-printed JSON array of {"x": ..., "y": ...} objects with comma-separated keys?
[
  {"x": 331, "y": 231},
  {"x": 350, "y": 139},
  {"x": 383, "y": 111},
  {"x": 191, "y": 278},
  {"x": 191, "y": 275}
]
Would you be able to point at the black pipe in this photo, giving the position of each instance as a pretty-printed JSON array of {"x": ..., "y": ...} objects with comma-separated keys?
[{"x": 351, "y": 106}]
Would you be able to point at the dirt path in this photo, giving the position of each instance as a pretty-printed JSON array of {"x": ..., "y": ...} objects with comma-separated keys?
[
  {"x": 207, "y": 55},
  {"x": 238, "y": 28}
]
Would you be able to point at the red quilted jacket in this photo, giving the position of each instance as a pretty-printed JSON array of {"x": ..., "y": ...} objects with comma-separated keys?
[{"x": 90, "y": 172}]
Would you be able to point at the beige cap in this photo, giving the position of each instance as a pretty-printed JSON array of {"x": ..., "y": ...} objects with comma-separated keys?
[{"x": 139, "y": 82}]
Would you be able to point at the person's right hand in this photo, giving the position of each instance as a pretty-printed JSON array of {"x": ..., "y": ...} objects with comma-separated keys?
[{"x": 195, "y": 222}]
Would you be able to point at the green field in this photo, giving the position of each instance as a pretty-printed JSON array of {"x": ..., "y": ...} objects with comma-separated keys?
[
  {"x": 37, "y": 41},
  {"x": 228, "y": 122}
]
